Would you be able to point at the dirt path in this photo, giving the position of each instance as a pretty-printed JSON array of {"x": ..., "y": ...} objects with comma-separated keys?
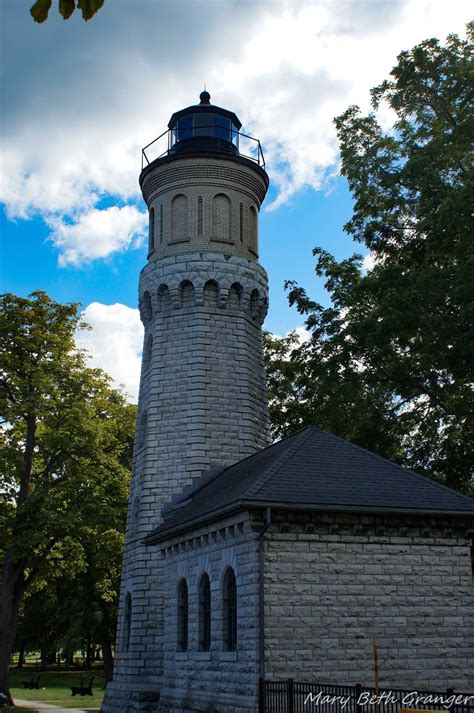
[{"x": 44, "y": 707}]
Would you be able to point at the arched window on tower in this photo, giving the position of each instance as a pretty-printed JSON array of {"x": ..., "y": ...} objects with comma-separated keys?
[
  {"x": 151, "y": 232},
  {"x": 127, "y": 624},
  {"x": 141, "y": 430},
  {"x": 221, "y": 218},
  {"x": 211, "y": 293},
  {"x": 229, "y": 608},
  {"x": 235, "y": 295},
  {"x": 146, "y": 307},
  {"x": 253, "y": 230},
  {"x": 147, "y": 352},
  {"x": 164, "y": 298},
  {"x": 254, "y": 303},
  {"x": 179, "y": 218},
  {"x": 204, "y": 613},
  {"x": 182, "y": 616},
  {"x": 187, "y": 293}
]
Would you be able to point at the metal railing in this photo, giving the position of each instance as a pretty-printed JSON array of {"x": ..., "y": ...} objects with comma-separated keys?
[
  {"x": 163, "y": 146},
  {"x": 291, "y": 696}
]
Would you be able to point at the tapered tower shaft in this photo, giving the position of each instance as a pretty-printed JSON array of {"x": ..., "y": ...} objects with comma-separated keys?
[{"x": 202, "y": 402}]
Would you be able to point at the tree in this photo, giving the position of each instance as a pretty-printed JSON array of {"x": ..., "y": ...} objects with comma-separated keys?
[
  {"x": 388, "y": 364},
  {"x": 65, "y": 457},
  {"x": 40, "y": 9}
]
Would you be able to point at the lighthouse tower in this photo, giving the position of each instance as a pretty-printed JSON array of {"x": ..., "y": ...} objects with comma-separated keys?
[{"x": 202, "y": 401}]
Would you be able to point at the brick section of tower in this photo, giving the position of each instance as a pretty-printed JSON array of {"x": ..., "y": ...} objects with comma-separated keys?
[{"x": 202, "y": 401}]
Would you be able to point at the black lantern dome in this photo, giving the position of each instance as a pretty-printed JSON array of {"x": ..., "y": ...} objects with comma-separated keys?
[{"x": 204, "y": 127}]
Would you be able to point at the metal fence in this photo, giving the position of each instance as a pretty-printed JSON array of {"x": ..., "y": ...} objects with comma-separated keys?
[{"x": 298, "y": 697}]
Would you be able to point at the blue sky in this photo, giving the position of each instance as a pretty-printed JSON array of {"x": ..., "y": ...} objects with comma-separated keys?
[{"x": 80, "y": 99}]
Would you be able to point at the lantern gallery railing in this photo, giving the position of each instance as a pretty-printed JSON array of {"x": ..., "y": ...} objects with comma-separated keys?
[{"x": 174, "y": 140}]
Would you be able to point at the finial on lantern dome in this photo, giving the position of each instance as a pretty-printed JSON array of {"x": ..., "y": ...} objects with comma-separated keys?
[{"x": 205, "y": 97}]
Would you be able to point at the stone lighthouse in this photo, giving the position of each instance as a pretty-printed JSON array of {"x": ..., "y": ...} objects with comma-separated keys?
[
  {"x": 202, "y": 402},
  {"x": 248, "y": 563}
]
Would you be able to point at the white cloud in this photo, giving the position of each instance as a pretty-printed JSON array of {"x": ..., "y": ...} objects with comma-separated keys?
[
  {"x": 98, "y": 233},
  {"x": 368, "y": 262},
  {"x": 303, "y": 334},
  {"x": 114, "y": 343},
  {"x": 76, "y": 117}
]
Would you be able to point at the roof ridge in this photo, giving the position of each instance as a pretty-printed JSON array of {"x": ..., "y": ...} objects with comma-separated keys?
[
  {"x": 304, "y": 434},
  {"x": 393, "y": 463}
]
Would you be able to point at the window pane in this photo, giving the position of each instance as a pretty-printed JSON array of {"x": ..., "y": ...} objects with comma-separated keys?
[
  {"x": 204, "y": 614},
  {"x": 235, "y": 136},
  {"x": 203, "y": 124},
  {"x": 183, "y": 616},
  {"x": 185, "y": 125},
  {"x": 222, "y": 127}
]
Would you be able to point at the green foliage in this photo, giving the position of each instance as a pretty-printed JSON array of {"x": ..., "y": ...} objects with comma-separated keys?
[
  {"x": 65, "y": 462},
  {"x": 388, "y": 364},
  {"x": 40, "y": 9}
]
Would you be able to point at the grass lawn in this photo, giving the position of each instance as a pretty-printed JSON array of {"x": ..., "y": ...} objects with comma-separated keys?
[
  {"x": 55, "y": 688},
  {"x": 16, "y": 709}
]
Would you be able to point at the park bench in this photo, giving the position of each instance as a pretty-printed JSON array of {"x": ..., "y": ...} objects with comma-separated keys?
[
  {"x": 33, "y": 682},
  {"x": 83, "y": 688}
]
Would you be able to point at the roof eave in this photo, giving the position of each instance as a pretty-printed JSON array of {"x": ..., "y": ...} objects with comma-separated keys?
[{"x": 219, "y": 513}]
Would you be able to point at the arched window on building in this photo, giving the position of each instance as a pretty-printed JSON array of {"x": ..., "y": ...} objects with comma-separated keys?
[
  {"x": 211, "y": 293},
  {"x": 200, "y": 216},
  {"x": 147, "y": 352},
  {"x": 229, "y": 608},
  {"x": 179, "y": 218},
  {"x": 151, "y": 232},
  {"x": 146, "y": 307},
  {"x": 141, "y": 430},
  {"x": 253, "y": 229},
  {"x": 204, "y": 613},
  {"x": 235, "y": 295},
  {"x": 182, "y": 616},
  {"x": 164, "y": 299},
  {"x": 254, "y": 303},
  {"x": 127, "y": 624},
  {"x": 221, "y": 229},
  {"x": 187, "y": 293}
]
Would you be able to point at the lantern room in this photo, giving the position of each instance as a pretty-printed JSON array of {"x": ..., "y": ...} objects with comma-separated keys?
[{"x": 204, "y": 126}]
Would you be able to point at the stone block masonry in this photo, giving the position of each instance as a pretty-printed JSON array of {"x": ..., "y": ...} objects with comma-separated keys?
[
  {"x": 215, "y": 680},
  {"x": 202, "y": 403},
  {"x": 352, "y": 581}
]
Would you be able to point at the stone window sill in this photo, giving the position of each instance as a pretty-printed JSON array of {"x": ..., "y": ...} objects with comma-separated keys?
[
  {"x": 202, "y": 655},
  {"x": 179, "y": 240},
  {"x": 182, "y": 655},
  {"x": 228, "y": 656}
]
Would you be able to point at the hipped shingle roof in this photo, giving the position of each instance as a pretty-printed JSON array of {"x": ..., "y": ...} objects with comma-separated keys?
[{"x": 316, "y": 470}]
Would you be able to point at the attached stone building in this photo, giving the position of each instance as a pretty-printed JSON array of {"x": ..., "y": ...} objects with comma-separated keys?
[
  {"x": 351, "y": 549},
  {"x": 245, "y": 559}
]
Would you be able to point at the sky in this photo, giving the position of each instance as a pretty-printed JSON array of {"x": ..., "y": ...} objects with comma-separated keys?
[{"x": 79, "y": 100}]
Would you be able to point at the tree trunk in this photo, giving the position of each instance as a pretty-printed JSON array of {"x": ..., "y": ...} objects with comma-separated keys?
[
  {"x": 14, "y": 583},
  {"x": 21, "y": 655},
  {"x": 69, "y": 656},
  {"x": 44, "y": 653},
  {"x": 108, "y": 658},
  {"x": 13, "y": 587},
  {"x": 88, "y": 655}
]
